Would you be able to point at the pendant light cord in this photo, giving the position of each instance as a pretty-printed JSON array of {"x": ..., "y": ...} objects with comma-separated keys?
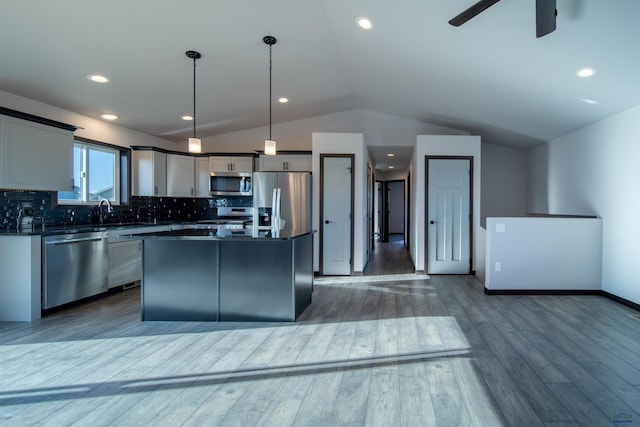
[
  {"x": 270, "y": 66},
  {"x": 194, "y": 97}
]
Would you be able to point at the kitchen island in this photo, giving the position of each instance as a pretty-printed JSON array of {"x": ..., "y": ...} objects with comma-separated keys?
[{"x": 215, "y": 275}]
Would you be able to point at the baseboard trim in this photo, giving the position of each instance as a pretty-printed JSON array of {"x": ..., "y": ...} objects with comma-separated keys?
[
  {"x": 620, "y": 300},
  {"x": 541, "y": 292},
  {"x": 597, "y": 292}
]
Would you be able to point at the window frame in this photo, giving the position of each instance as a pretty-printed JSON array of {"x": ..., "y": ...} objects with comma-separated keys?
[{"x": 121, "y": 189}]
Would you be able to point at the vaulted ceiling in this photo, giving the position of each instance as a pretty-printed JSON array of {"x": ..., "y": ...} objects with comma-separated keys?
[{"x": 490, "y": 77}]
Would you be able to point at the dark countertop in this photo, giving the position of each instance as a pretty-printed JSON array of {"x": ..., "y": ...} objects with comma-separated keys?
[
  {"x": 77, "y": 228},
  {"x": 204, "y": 234}
]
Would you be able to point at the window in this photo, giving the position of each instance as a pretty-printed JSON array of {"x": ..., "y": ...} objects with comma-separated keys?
[{"x": 96, "y": 175}]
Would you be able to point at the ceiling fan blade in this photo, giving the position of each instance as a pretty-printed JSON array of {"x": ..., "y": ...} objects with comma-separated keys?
[
  {"x": 545, "y": 17},
  {"x": 474, "y": 10}
]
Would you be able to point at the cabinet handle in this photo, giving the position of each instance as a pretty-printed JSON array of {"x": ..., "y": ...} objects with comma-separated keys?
[
  {"x": 155, "y": 190},
  {"x": 192, "y": 191}
]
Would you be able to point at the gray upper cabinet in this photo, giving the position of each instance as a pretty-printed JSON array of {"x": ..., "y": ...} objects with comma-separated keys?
[
  {"x": 35, "y": 156},
  {"x": 203, "y": 177},
  {"x": 149, "y": 173},
  {"x": 231, "y": 163},
  {"x": 180, "y": 175},
  {"x": 285, "y": 163}
]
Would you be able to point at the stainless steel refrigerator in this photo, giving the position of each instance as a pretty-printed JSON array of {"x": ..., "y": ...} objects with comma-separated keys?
[{"x": 293, "y": 197}]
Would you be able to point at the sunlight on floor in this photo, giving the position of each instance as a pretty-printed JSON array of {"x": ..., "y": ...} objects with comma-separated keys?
[{"x": 430, "y": 354}]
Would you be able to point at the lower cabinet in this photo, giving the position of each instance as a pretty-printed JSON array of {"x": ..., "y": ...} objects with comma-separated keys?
[{"x": 124, "y": 262}]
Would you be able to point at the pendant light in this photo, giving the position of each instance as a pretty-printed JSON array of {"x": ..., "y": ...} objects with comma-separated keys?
[
  {"x": 195, "y": 144},
  {"x": 269, "y": 144}
]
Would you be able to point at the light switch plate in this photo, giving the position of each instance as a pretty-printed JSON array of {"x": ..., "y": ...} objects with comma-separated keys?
[
  {"x": 500, "y": 227},
  {"x": 498, "y": 266}
]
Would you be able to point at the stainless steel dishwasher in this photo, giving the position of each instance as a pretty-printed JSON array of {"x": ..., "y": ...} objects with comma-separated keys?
[{"x": 74, "y": 266}]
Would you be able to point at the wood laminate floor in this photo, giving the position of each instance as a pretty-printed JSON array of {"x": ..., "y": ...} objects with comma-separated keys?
[{"x": 434, "y": 352}]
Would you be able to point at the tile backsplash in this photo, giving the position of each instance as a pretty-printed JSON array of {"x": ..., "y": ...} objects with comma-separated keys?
[{"x": 140, "y": 209}]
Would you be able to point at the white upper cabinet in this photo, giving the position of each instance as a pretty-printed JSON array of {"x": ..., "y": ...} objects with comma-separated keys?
[
  {"x": 285, "y": 162},
  {"x": 35, "y": 156},
  {"x": 231, "y": 163},
  {"x": 203, "y": 177},
  {"x": 180, "y": 175},
  {"x": 149, "y": 173}
]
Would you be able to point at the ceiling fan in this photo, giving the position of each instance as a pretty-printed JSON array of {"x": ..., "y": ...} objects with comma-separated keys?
[{"x": 545, "y": 15}]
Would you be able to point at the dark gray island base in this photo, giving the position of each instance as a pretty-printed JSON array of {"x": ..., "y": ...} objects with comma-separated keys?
[{"x": 195, "y": 275}]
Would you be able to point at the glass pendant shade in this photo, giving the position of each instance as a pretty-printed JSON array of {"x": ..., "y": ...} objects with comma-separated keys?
[
  {"x": 195, "y": 145},
  {"x": 269, "y": 147}
]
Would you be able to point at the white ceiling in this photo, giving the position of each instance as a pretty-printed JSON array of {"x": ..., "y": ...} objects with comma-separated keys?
[{"x": 490, "y": 77}]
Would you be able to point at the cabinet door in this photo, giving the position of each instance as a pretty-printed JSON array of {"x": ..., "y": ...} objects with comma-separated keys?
[
  {"x": 149, "y": 173},
  {"x": 35, "y": 156},
  {"x": 298, "y": 163},
  {"x": 159, "y": 174},
  {"x": 272, "y": 163},
  {"x": 220, "y": 164},
  {"x": 180, "y": 175},
  {"x": 242, "y": 164},
  {"x": 203, "y": 177},
  {"x": 124, "y": 262}
]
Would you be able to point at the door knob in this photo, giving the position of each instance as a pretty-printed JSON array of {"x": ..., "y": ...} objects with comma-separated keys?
[
  {"x": 327, "y": 222},
  {"x": 432, "y": 222}
]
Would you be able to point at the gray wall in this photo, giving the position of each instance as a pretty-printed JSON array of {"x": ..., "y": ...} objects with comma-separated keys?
[
  {"x": 396, "y": 207},
  {"x": 504, "y": 182}
]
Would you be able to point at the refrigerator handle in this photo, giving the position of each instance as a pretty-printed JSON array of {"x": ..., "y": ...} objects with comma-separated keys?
[{"x": 275, "y": 211}]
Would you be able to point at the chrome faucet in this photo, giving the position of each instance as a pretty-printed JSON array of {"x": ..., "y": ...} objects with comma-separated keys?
[{"x": 101, "y": 211}]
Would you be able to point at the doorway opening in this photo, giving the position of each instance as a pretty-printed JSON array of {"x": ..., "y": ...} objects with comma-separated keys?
[{"x": 391, "y": 212}]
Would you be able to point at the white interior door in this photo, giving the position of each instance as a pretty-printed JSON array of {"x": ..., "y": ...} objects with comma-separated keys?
[
  {"x": 336, "y": 216},
  {"x": 448, "y": 216}
]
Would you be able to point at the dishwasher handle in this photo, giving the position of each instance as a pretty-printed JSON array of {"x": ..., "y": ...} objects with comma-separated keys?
[{"x": 80, "y": 239}]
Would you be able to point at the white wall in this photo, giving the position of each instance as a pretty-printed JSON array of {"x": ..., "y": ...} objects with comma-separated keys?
[
  {"x": 98, "y": 130},
  {"x": 442, "y": 145},
  {"x": 595, "y": 170},
  {"x": 343, "y": 143},
  {"x": 541, "y": 253}
]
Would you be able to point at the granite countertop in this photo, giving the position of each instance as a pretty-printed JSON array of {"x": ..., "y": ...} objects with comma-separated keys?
[
  {"x": 76, "y": 228},
  {"x": 206, "y": 234}
]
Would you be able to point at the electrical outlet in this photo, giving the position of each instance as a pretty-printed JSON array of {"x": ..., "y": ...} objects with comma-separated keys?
[{"x": 498, "y": 266}]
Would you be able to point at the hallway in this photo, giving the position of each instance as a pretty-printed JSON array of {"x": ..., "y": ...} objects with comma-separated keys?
[{"x": 390, "y": 257}]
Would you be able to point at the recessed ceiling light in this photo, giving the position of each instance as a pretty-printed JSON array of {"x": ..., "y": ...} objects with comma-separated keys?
[
  {"x": 365, "y": 23},
  {"x": 97, "y": 78},
  {"x": 589, "y": 101},
  {"x": 109, "y": 116},
  {"x": 390, "y": 155},
  {"x": 187, "y": 118},
  {"x": 283, "y": 100},
  {"x": 391, "y": 167},
  {"x": 585, "y": 72}
]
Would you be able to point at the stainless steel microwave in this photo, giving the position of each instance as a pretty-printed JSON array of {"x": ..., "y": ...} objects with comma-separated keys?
[{"x": 231, "y": 183}]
